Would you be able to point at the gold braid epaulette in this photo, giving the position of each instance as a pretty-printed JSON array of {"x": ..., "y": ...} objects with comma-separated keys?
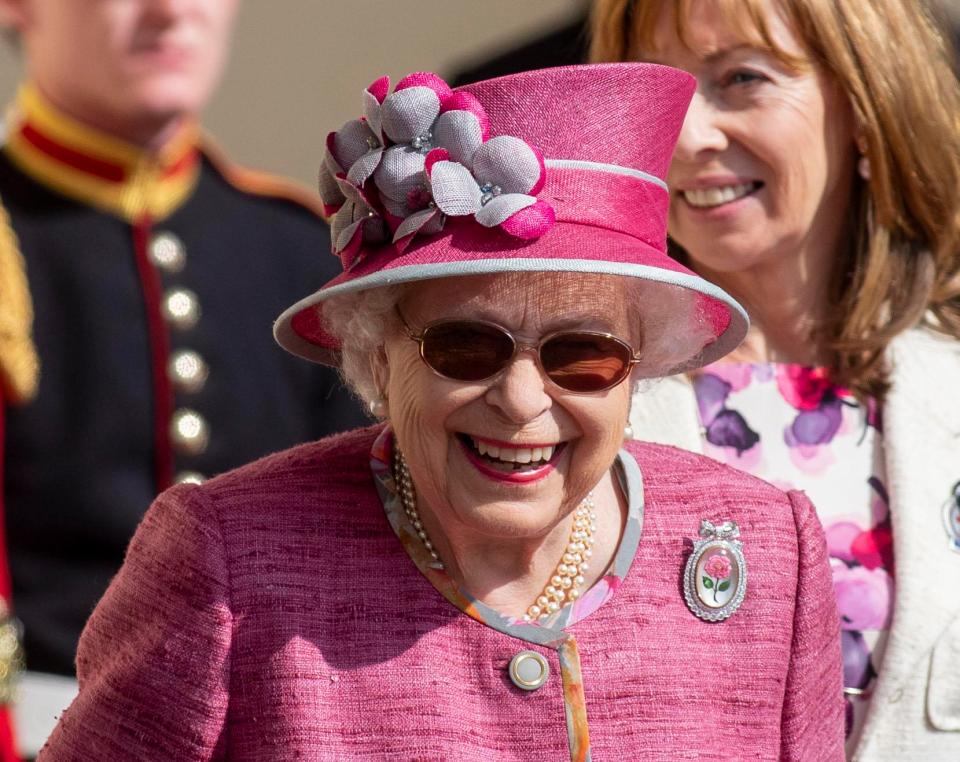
[{"x": 19, "y": 366}]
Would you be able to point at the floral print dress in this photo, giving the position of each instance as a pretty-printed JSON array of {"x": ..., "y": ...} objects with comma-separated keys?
[{"x": 791, "y": 426}]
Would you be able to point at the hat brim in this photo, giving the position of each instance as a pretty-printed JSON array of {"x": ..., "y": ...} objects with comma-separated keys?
[{"x": 461, "y": 250}]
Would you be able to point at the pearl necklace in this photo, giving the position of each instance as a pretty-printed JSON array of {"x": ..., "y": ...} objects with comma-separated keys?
[{"x": 567, "y": 579}]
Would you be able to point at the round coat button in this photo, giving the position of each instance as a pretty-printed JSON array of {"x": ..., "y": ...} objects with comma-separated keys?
[
  {"x": 189, "y": 432},
  {"x": 181, "y": 308},
  {"x": 167, "y": 252},
  {"x": 188, "y": 371},
  {"x": 529, "y": 670}
]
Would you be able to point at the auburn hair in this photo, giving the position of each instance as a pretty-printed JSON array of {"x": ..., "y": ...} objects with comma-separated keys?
[{"x": 901, "y": 265}]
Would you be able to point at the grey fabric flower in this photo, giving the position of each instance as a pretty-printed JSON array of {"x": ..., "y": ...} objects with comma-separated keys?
[
  {"x": 505, "y": 170},
  {"x": 355, "y": 223}
]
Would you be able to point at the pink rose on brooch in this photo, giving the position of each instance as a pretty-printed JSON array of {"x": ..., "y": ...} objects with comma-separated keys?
[{"x": 717, "y": 570}]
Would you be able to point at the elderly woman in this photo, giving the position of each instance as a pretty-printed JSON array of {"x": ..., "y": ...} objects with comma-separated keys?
[
  {"x": 493, "y": 574},
  {"x": 817, "y": 179}
]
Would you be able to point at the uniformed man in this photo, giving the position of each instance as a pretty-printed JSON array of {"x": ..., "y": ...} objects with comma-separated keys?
[{"x": 155, "y": 269}]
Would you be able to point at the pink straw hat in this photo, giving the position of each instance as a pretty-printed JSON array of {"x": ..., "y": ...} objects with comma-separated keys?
[{"x": 559, "y": 170}]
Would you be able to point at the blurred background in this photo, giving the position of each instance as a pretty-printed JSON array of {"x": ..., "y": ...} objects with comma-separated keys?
[
  {"x": 297, "y": 69},
  {"x": 299, "y": 66}
]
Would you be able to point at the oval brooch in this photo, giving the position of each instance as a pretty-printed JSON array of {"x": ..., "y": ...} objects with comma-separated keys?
[{"x": 715, "y": 577}]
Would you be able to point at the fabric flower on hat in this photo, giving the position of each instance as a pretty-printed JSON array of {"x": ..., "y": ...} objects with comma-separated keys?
[
  {"x": 421, "y": 115},
  {"x": 497, "y": 187},
  {"x": 356, "y": 222},
  {"x": 352, "y": 155},
  {"x": 442, "y": 165},
  {"x": 426, "y": 151},
  {"x": 355, "y": 149}
]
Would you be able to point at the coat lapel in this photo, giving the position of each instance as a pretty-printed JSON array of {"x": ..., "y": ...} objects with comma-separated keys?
[{"x": 921, "y": 436}]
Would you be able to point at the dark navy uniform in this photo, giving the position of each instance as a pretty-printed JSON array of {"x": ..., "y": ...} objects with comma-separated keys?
[{"x": 155, "y": 280}]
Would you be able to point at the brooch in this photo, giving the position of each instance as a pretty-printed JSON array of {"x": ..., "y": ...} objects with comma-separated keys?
[
  {"x": 951, "y": 518},
  {"x": 715, "y": 577}
]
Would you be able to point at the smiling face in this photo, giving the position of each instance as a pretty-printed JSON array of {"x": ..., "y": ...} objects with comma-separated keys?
[
  {"x": 764, "y": 166},
  {"x": 460, "y": 438},
  {"x": 125, "y": 66}
]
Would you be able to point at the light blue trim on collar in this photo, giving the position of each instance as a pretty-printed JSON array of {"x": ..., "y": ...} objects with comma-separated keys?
[{"x": 552, "y": 633}]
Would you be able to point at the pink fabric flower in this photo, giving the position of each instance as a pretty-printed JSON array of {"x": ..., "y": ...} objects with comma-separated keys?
[
  {"x": 354, "y": 150},
  {"x": 421, "y": 115},
  {"x": 496, "y": 187},
  {"x": 356, "y": 221},
  {"x": 718, "y": 567},
  {"x": 427, "y": 152}
]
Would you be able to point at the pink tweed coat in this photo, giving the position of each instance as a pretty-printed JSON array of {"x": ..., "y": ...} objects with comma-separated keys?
[{"x": 272, "y": 614}]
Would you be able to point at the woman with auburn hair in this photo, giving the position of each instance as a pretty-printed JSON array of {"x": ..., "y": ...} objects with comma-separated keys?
[{"x": 817, "y": 179}]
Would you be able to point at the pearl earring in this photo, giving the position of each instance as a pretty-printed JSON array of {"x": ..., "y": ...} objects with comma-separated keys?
[
  {"x": 378, "y": 407},
  {"x": 628, "y": 432},
  {"x": 863, "y": 167}
]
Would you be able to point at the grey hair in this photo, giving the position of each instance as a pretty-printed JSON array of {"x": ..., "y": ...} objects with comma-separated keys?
[
  {"x": 660, "y": 309},
  {"x": 363, "y": 321}
]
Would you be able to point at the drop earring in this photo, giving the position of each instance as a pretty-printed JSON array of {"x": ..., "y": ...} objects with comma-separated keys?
[
  {"x": 378, "y": 407},
  {"x": 628, "y": 432}
]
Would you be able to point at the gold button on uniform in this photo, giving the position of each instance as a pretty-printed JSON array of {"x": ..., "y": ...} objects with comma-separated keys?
[
  {"x": 189, "y": 432},
  {"x": 188, "y": 371},
  {"x": 167, "y": 252},
  {"x": 181, "y": 308},
  {"x": 529, "y": 670}
]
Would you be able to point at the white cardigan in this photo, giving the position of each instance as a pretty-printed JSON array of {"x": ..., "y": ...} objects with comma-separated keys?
[{"x": 915, "y": 710}]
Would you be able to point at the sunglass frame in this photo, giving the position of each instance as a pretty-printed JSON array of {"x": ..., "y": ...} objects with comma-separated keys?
[{"x": 519, "y": 346}]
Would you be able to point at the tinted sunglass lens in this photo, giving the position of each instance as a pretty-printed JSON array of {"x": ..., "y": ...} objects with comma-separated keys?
[
  {"x": 583, "y": 362},
  {"x": 466, "y": 351}
]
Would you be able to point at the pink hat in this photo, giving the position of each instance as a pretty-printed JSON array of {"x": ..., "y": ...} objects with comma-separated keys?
[{"x": 545, "y": 171}]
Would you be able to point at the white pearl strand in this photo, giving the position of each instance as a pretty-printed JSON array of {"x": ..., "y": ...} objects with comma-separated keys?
[
  {"x": 569, "y": 576},
  {"x": 408, "y": 499}
]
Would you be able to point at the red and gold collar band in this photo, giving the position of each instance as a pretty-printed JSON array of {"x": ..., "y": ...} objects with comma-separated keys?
[{"x": 98, "y": 169}]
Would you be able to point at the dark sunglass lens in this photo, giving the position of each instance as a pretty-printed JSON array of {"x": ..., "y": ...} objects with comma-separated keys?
[
  {"x": 582, "y": 362},
  {"x": 466, "y": 351}
]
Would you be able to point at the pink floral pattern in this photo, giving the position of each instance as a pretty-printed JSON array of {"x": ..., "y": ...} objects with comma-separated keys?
[
  {"x": 803, "y": 387},
  {"x": 791, "y": 425}
]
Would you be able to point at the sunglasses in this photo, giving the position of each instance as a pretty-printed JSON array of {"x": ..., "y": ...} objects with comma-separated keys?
[{"x": 583, "y": 362}]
